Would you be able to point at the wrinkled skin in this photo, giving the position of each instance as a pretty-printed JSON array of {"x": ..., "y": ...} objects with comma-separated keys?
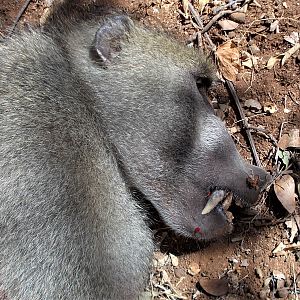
[{"x": 89, "y": 112}]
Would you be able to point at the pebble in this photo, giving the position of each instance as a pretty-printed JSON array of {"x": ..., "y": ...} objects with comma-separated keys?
[
  {"x": 179, "y": 272},
  {"x": 238, "y": 17}
]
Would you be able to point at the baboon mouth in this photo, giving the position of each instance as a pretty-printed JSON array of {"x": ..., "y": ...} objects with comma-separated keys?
[{"x": 220, "y": 198}]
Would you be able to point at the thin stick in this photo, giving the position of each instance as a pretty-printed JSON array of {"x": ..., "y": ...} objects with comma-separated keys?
[
  {"x": 216, "y": 18},
  {"x": 21, "y": 11},
  {"x": 244, "y": 122},
  {"x": 200, "y": 24}
]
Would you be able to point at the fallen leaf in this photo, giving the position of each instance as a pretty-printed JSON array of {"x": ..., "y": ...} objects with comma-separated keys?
[
  {"x": 284, "y": 188},
  {"x": 228, "y": 60},
  {"x": 215, "y": 287},
  {"x": 248, "y": 60},
  {"x": 228, "y": 25},
  {"x": 279, "y": 248},
  {"x": 293, "y": 38},
  {"x": 274, "y": 26},
  {"x": 289, "y": 53},
  {"x": 272, "y": 61},
  {"x": 290, "y": 140}
]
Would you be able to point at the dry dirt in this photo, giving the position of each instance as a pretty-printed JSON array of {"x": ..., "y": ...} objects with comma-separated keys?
[{"x": 245, "y": 260}]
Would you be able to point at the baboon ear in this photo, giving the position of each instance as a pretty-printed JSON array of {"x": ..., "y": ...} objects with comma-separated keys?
[{"x": 109, "y": 37}]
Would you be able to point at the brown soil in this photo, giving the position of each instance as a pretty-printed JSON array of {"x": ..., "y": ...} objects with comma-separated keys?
[{"x": 245, "y": 258}]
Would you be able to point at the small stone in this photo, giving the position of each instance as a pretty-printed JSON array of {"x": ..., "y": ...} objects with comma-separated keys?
[
  {"x": 228, "y": 25},
  {"x": 259, "y": 273},
  {"x": 253, "y": 105},
  {"x": 160, "y": 258},
  {"x": 238, "y": 17},
  {"x": 179, "y": 272},
  {"x": 193, "y": 269},
  {"x": 282, "y": 293}
]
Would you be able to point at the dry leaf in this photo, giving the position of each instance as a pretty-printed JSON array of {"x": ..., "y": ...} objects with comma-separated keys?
[
  {"x": 272, "y": 61},
  {"x": 228, "y": 60},
  {"x": 228, "y": 25},
  {"x": 215, "y": 287},
  {"x": 291, "y": 140},
  {"x": 274, "y": 26},
  {"x": 279, "y": 248},
  {"x": 248, "y": 60},
  {"x": 293, "y": 38},
  {"x": 284, "y": 188},
  {"x": 289, "y": 53}
]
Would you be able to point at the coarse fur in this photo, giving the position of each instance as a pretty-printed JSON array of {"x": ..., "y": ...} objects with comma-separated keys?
[{"x": 88, "y": 112}]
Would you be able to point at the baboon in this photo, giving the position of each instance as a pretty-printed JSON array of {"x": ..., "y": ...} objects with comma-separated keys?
[{"x": 89, "y": 112}]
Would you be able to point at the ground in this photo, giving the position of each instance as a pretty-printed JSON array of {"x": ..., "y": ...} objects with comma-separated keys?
[{"x": 246, "y": 264}]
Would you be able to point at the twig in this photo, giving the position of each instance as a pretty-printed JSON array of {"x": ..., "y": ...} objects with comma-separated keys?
[
  {"x": 277, "y": 149},
  {"x": 244, "y": 122},
  {"x": 215, "y": 19},
  {"x": 200, "y": 24},
  {"x": 21, "y": 11},
  {"x": 263, "y": 133}
]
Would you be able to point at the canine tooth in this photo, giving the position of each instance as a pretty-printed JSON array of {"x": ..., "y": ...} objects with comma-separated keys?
[{"x": 215, "y": 198}]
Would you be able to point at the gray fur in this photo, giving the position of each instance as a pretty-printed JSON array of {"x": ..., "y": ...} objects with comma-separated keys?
[{"x": 79, "y": 128}]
